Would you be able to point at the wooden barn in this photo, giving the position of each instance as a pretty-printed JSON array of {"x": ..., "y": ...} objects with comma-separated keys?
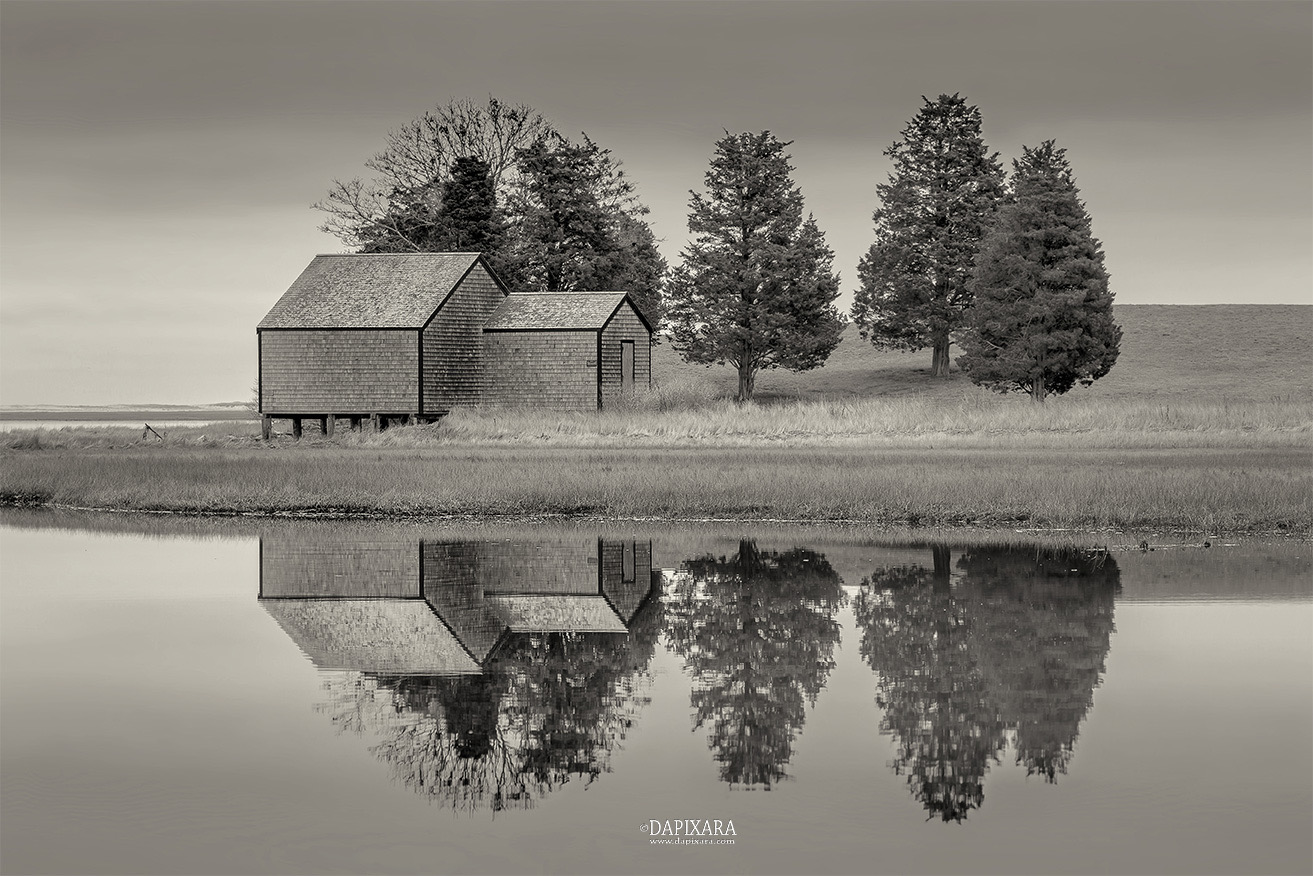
[
  {"x": 568, "y": 350},
  {"x": 396, "y": 604},
  {"x": 409, "y": 336}
]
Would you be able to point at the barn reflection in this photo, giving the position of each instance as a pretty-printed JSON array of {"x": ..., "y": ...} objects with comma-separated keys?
[
  {"x": 1004, "y": 648},
  {"x": 491, "y": 672}
]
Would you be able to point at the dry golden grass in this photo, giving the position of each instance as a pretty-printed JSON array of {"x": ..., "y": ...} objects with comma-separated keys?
[
  {"x": 1214, "y": 489},
  {"x": 1183, "y": 434}
]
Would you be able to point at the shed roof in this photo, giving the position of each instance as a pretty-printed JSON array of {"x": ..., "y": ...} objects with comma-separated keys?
[
  {"x": 554, "y": 310},
  {"x": 558, "y": 614},
  {"x": 401, "y": 636},
  {"x": 385, "y": 290}
]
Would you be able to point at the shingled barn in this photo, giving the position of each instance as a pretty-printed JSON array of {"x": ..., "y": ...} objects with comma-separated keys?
[
  {"x": 544, "y": 350},
  {"x": 410, "y": 336}
]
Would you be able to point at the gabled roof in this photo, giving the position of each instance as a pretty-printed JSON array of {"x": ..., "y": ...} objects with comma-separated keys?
[
  {"x": 542, "y": 311},
  {"x": 400, "y": 636},
  {"x": 387, "y": 290},
  {"x": 628, "y": 597},
  {"x": 558, "y": 614}
]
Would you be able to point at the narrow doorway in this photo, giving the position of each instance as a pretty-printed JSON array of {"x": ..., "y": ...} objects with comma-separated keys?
[{"x": 626, "y": 366}]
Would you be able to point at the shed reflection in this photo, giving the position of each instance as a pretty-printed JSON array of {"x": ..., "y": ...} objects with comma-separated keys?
[{"x": 492, "y": 672}]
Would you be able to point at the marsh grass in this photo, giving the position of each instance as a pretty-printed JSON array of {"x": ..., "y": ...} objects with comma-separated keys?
[
  {"x": 968, "y": 421},
  {"x": 1205, "y": 424},
  {"x": 1205, "y": 489}
]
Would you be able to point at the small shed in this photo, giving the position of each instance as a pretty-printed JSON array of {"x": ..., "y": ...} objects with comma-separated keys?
[
  {"x": 392, "y": 335},
  {"x": 565, "y": 350},
  {"x": 410, "y": 336},
  {"x": 379, "y": 603}
]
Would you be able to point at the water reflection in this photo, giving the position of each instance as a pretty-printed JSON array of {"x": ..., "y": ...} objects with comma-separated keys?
[
  {"x": 492, "y": 672},
  {"x": 1007, "y": 645},
  {"x": 757, "y": 631}
]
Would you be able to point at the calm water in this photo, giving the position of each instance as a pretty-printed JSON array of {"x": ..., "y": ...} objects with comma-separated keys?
[
  {"x": 315, "y": 698},
  {"x": 129, "y": 425}
]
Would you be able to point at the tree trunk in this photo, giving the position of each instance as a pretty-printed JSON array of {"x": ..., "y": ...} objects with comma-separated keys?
[
  {"x": 1038, "y": 391},
  {"x": 940, "y": 366},
  {"x": 747, "y": 381}
]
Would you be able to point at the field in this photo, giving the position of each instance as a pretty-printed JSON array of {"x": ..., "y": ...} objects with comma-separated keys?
[
  {"x": 1204, "y": 425},
  {"x": 1168, "y": 354}
]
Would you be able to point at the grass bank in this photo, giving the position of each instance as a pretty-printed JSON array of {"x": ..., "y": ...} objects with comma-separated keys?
[{"x": 1204, "y": 489}]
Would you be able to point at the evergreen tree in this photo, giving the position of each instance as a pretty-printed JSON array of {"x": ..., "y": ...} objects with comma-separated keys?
[
  {"x": 756, "y": 287},
  {"x": 468, "y": 220},
  {"x": 940, "y": 198},
  {"x": 641, "y": 270},
  {"x": 576, "y": 225},
  {"x": 1043, "y": 319}
]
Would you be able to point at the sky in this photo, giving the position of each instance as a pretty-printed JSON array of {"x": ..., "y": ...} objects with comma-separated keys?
[{"x": 158, "y": 160}]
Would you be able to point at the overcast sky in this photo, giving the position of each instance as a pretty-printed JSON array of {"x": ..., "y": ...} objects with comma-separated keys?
[{"x": 158, "y": 159}]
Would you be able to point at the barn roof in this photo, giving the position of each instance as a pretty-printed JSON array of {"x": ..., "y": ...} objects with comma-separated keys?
[
  {"x": 543, "y": 311},
  {"x": 386, "y": 290},
  {"x": 558, "y": 614},
  {"x": 401, "y": 636}
]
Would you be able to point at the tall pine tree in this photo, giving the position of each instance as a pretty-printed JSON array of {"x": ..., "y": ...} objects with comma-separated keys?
[
  {"x": 577, "y": 225},
  {"x": 940, "y": 198},
  {"x": 756, "y": 286},
  {"x": 1042, "y": 321},
  {"x": 468, "y": 219}
]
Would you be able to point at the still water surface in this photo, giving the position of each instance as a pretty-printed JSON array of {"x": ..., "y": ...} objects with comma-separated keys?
[{"x": 314, "y": 698}]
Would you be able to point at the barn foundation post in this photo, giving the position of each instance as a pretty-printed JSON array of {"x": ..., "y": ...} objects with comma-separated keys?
[
  {"x": 266, "y": 427},
  {"x": 376, "y": 422},
  {"x": 329, "y": 425},
  {"x": 296, "y": 428}
]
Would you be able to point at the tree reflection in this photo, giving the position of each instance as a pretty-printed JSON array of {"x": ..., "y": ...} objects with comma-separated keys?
[
  {"x": 1045, "y": 622},
  {"x": 1012, "y": 647},
  {"x": 757, "y": 630},
  {"x": 551, "y": 707},
  {"x": 916, "y": 635}
]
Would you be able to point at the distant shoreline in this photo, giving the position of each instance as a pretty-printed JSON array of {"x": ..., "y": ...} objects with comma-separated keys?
[{"x": 127, "y": 415}]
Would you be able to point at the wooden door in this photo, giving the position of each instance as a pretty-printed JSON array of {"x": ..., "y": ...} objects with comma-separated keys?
[{"x": 626, "y": 366}]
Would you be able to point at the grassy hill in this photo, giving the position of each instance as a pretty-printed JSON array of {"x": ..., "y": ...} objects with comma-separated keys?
[{"x": 1185, "y": 353}]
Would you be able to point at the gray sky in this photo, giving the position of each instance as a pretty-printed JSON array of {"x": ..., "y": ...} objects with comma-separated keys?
[{"x": 158, "y": 160}]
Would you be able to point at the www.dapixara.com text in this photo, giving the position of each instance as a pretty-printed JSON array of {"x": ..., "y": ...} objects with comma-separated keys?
[{"x": 690, "y": 832}]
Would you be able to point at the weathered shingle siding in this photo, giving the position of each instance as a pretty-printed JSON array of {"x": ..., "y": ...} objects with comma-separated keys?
[
  {"x": 566, "y": 566},
  {"x": 541, "y": 369},
  {"x": 626, "y": 591},
  {"x": 317, "y": 566},
  {"x": 327, "y": 371},
  {"x": 452, "y": 586},
  {"x": 625, "y": 326},
  {"x": 453, "y": 343}
]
